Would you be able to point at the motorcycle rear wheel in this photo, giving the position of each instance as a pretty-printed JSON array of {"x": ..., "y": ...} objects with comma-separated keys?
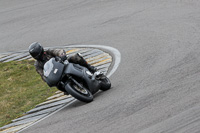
[{"x": 81, "y": 94}]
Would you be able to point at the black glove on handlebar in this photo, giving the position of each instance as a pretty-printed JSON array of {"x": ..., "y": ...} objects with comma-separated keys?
[{"x": 63, "y": 58}]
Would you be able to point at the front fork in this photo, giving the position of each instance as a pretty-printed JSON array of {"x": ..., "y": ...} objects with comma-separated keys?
[
  {"x": 77, "y": 83},
  {"x": 71, "y": 79}
]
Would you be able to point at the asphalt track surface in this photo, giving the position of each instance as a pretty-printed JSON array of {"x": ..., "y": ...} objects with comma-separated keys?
[{"x": 156, "y": 88}]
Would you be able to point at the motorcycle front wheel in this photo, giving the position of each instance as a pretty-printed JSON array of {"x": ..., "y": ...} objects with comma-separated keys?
[{"x": 80, "y": 93}]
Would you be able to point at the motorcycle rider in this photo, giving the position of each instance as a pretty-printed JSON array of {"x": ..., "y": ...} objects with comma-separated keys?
[{"x": 41, "y": 56}]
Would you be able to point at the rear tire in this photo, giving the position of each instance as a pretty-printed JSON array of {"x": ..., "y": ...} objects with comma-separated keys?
[
  {"x": 105, "y": 83},
  {"x": 85, "y": 96}
]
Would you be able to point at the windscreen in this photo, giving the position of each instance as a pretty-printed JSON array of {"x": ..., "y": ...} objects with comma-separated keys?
[{"x": 48, "y": 67}]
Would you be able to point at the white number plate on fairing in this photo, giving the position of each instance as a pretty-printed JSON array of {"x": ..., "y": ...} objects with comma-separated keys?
[{"x": 55, "y": 71}]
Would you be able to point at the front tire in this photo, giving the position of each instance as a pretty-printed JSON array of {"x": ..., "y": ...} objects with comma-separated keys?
[{"x": 81, "y": 94}]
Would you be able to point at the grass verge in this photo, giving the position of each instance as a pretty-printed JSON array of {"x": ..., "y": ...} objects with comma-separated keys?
[{"x": 21, "y": 88}]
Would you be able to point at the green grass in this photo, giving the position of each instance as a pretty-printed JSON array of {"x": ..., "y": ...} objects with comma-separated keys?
[{"x": 21, "y": 88}]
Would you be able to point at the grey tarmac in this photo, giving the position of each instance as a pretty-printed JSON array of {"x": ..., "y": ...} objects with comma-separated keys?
[{"x": 156, "y": 88}]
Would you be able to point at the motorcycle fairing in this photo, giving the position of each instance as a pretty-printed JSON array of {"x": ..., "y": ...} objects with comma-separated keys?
[
  {"x": 53, "y": 71},
  {"x": 82, "y": 72}
]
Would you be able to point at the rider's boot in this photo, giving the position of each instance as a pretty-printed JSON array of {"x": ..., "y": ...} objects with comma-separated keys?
[{"x": 85, "y": 64}]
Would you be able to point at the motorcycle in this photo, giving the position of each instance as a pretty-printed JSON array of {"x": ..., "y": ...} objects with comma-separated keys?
[{"x": 77, "y": 80}]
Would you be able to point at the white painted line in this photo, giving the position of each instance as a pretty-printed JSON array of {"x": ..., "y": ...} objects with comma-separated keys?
[
  {"x": 16, "y": 128},
  {"x": 48, "y": 115}
]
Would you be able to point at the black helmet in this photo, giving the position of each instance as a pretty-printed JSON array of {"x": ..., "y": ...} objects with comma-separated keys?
[{"x": 36, "y": 50}]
